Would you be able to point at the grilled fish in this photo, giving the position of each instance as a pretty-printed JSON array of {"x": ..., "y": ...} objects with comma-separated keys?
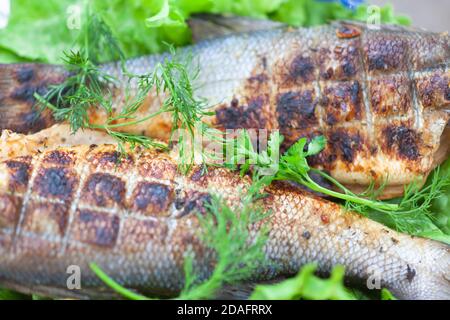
[
  {"x": 136, "y": 219},
  {"x": 381, "y": 97}
]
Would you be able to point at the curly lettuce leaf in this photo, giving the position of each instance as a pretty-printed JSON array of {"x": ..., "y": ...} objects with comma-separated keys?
[{"x": 39, "y": 31}]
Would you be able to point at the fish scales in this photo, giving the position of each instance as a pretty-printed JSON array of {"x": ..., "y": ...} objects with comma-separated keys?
[
  {"x": 136, "y": 219},
  {"x": 381, "y": 97}
]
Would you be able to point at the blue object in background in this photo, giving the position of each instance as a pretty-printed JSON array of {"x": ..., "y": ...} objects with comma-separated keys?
[{"x": 352, "y": 4}]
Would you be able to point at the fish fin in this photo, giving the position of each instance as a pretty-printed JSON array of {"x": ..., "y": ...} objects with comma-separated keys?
[
  {"x": 208, "y": 26},
  {"x": 18, "y": 84}
]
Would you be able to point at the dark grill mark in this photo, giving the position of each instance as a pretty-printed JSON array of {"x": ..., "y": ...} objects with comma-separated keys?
[
  {"x": 56, "y": 182},
  {"x": 296, "y": 109},
  {"x": 59, "y": 157},
  {"x": 405, "y": 140},
  {"x": 238, "y": 117},
  {"x": 20, "y": 173},
  {"x": 385, "y": 54},
  {"x": 434, "y": 90},
  {"x": 25, "y": 74},
  {"x": 152, "y": 197},
  {"x": 303, "y": 68},
  {"x": 195, "y": 202},
  {"x": 342, "y": 102},
  {"x": 26, "y": 92},
  {"x": 96, "y": 228},
  {"x": 345, "y": 144},
  {"x": 104, "y": 190},
  {"x": 349, "y": 69}
]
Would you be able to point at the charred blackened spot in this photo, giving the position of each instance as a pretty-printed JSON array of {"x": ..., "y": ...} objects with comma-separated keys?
[
  {"x": 410, "y": 273},
  {"x": 112, "y": 159},
  {"x": 193, "y": 202},
  {"x": 349, "y": 69},
  {"x": 104, "y": 190},
  {"x": 306, "y": 235},
  {"x": 403, "y": 139},
  {"x": 198, "y": 173},
  {"x": 239, "y": 117},
  {"x": 56, "y": 182},
  {"x": 347, "y": 32},
  {"x": 296, "y": 109},
  {"x": 26, "y": 92},
  {"x": 385, "y": 54},
  {"x": 345, "y": 144},
  {"x": 60, "y": 157},
  {"x": 340, "y": 63},
  {"x": 46, "y": 218},
  {"x": 342, "y": 102},
  {"x": 9, "y": 211},
  {"x": 152, "y": 198},
  {"x": 24, "y": 74},
  {"x": 96, "y": 228},
  {"x": 109, "y": 157},
  {"x": 20, "y": 174},
  {"x": 302, "y": 68},
  {"x": 433, "y": 90}
]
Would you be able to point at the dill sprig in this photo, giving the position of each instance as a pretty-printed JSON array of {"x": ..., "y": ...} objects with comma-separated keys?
[
  {"x": 87, "y": 86},
  {"x": 238, "y": 253},
  {"x": 414, "y": 208}
]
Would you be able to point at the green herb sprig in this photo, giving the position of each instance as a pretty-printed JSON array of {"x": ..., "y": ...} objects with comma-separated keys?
[{"x": 293, "y": 166}]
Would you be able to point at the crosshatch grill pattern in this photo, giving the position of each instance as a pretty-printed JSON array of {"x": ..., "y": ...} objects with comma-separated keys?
[
  {"x": 80, "y": 205},
  {"x": 85, "y": 197},
  {"x": 67, "y": 199},
  {"x": 373, "y": 94}
]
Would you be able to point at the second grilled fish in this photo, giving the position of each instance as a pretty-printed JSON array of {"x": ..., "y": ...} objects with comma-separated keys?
[{"x": 135, "y": 218}]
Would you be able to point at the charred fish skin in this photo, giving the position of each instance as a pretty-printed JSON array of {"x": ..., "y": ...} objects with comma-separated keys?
[
  {"x": 381, "y": 97},
  {"x": 136, "y": 219}
]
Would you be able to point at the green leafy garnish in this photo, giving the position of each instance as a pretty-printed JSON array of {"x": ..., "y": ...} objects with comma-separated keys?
[
  {"x": 415, "y": 214},
  {"x": 87, "y": 86},
  {"x": 305, "y": 285},
  {"x": 39, "y": 30},
  {"x": 293, "y": 166}
]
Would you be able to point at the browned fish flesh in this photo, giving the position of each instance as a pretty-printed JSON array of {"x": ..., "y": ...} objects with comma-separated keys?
[
  {"x": 381, "y": 97},
  {"x": 136, "y": 218}
]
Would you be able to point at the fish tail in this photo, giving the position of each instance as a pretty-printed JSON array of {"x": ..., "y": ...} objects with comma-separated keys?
[
  {"x": 425, "y": 274},
  {"x": 18, "y": 84}
]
